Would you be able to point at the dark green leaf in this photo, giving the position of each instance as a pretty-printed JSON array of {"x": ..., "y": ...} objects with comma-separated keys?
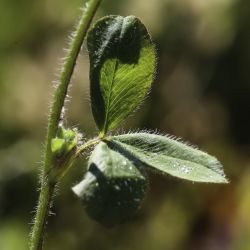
[
  {"x": 172, "y": 157},
  {"x": 122, "y": 67},
  {"x": 113, "y": 187}
]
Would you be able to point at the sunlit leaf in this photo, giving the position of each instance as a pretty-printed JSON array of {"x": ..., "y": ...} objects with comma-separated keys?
[
  {"x": 113, "y": 187},
  {"x": 173, "y": 157},
  {"x": 122, "y": 67}
]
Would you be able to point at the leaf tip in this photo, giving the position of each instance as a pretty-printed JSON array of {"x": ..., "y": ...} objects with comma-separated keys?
[{"x": 225, "y": 180}]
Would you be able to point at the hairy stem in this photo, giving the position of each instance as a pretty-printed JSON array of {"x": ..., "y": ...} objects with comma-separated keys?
[
  {"x": 44, "y": 204},
  {"x": 46, "y": 193}
]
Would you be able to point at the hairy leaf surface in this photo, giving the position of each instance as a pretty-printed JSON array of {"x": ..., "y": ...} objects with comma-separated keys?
[
  {"x": 122, "y": 67},
  {"x": 173, "y": 157}
]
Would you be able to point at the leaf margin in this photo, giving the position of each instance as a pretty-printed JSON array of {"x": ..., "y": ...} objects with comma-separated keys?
[{"x": 219, "y": 172}]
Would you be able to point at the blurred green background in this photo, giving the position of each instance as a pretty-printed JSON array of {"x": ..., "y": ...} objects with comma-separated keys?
[{"x": 202, "y": 94}]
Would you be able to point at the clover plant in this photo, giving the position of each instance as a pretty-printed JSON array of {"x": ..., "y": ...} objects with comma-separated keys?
[{"x": 122, "y": 60}]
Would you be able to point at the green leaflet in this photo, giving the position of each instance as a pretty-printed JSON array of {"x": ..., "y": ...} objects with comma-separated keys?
[
  {"x": 122, "y": 67},
  {"x": 171, "y": 156},
  {"x": 113, "y": 187}
]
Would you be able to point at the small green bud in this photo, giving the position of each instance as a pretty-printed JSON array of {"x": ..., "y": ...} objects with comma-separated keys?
[
  {"x": 65, "y": 141},
  {"x": 58, "y": 146},
  {"x": 63, "y": 148}
]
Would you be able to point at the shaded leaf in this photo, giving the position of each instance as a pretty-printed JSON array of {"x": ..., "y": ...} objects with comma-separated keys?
[
  {"x": 173, "y": 157},
  {"x": 113, "y": 187},
  {"x": 122, "y": 67}
]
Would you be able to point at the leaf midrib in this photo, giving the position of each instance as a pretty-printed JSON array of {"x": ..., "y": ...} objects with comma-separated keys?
[
  {"x": 112, "y": 83},
  {"x": 109, "y": 98}
]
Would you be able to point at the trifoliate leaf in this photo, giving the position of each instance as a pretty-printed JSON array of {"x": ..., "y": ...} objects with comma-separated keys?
[
  {"x": 113, "y": 187},
  {"x": 172, "y": 157},
  {"x": 122, "y": 67}
]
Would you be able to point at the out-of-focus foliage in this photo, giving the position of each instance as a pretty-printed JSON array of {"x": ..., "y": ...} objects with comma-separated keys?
[{"x": 201, "y": 94}]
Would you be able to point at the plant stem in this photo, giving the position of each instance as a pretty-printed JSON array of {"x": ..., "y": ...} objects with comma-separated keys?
[
  {"x": 44, "y": 204},
  {"x": 47, "y": 190}
]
